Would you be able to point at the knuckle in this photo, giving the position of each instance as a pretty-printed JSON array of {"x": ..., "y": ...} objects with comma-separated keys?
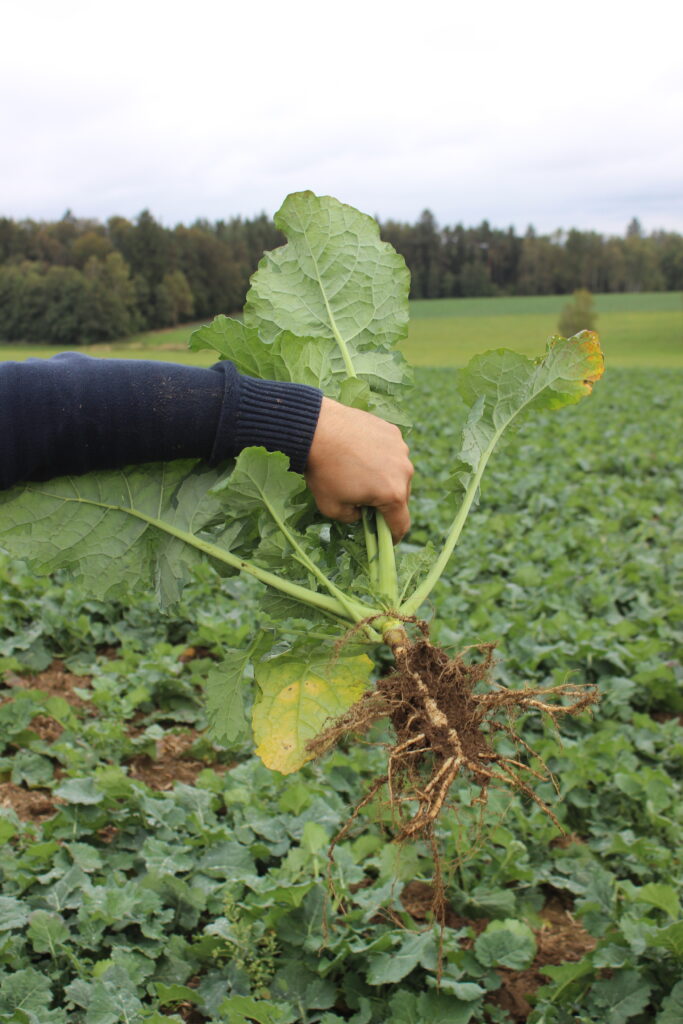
[{"x": 395, "y": 495}]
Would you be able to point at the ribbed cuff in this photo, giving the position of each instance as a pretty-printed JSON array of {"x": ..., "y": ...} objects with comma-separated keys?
[{"x": 279, "y": 416}]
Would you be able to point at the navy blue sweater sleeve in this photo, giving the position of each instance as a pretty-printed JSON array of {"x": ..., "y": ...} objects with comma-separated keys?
[{"x": 74, "y": 413}]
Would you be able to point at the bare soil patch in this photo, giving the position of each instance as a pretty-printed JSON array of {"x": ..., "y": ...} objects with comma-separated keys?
[
  {"x": 171, "y": 763},
  {"x": 56, "y": 681},
  {"x": 561, "y": 939},
  {"x": 29, "y": 804}
]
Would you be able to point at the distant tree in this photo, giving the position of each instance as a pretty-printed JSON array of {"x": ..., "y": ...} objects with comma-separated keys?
[
  {"x": 634, "y": 229},
  {"x": 668, "y": 250},
  {"x": 111, "y": 307},
  {"x": 163, "y": 276},
  {"x": 174, "y": 297},
  {"x": 475, "y": 279},
  {"x": 578, "y": 314},
  {"x": 641, "y": 270},
  {"x": 540, "y": 265},
  {"x": 91, "y": 243},
  {"x": 64, "y": 308}
]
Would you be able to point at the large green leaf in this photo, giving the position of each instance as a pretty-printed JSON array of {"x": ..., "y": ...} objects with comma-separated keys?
[
  {"x": 113, "y": 529},
  {"x": 312, "y": 361},
  {"x": 496, "y": 387},
  {"x": 261, "y": 480},
  {"x": 299, "y": 692},
  {"x": 334, "y": 279},
  {"x": 318, "y": 362},
  {"x": 500, "y": 384}
]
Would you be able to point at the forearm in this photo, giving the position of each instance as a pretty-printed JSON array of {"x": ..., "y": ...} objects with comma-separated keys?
[{"x": 72, "y": 414}]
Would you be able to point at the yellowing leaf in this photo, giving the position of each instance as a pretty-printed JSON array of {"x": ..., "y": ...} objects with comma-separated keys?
[{"x": 297, "y": 696}]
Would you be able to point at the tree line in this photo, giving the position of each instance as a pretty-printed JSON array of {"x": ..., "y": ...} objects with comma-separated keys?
[{"x": 75, "y": 281}]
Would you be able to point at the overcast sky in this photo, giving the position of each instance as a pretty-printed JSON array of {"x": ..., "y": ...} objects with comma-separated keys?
[{"x": 558, "y": 115}]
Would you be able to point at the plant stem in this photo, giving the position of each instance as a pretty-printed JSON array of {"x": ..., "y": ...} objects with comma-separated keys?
[
  {"x": 410, "y": 606},
  {"x": 355, "y": 609},
  {"x": 388, "y": 580},
  {"x": 330, "y": 605},
  {"x": 371, "y": 547}
]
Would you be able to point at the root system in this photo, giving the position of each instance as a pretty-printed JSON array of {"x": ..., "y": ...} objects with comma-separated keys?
[{"x": 446, "y": 714}]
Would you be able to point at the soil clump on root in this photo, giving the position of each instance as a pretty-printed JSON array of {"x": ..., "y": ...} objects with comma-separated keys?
[{"x": 447, "y": 714}]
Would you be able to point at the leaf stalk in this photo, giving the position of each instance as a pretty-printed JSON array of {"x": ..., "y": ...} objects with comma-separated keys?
[{"x": 422, "y": 592}]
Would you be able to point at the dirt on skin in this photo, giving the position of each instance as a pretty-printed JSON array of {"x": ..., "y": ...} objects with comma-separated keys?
[{"x": 447, "y": 714}]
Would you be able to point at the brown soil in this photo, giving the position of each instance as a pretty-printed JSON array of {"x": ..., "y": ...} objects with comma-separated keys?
[
  {"x": 37, "y": 805},
  {"x": 56, "y": 681},
  {"x": 560, "y": 939},
  {"x": 447, "y": 714},
  {"x": 666, "y": 716},
  {"x": 171, "y": 763},
  {"x": 418, "y": 898},
  {"x": 29, "y": 804}
]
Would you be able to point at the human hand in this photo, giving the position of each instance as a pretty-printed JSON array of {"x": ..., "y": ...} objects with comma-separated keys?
[{"x": 359, "y": 459}]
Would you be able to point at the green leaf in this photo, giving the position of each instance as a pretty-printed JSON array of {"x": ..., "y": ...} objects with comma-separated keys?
[
  {"x": 299, "y": 692},
  {"x": 7, "y": 830},
  {"x": 79, "y": 791},
  {"x": 109, "y": 528},
  {"x": 225, "y": 696},
  {"x": 508, "y": 943},
  {"x": 496, "y": 387},
  {"x": 672, "y": 1007},
  {"x": 385, "y": 968},
  {"x": 112, "y": 1004},
  {"x": 664, "y": 897},
  {"x": 27, "y": 990},
  {"x": 13, "y": 913},
  {"x": 312, "y": 361},
  {"x": 47, "y": 932},
  {"x": 670, "y": 938},
  {"x": 499, "y": 384},
  {"x": 261, "y": 479},
  {"x": 435, "y": 1007},
  {"x": 86, "y": 857},
  {"x": 334, "y": 279},
  {"x": 31, "y": 768},
  {"x": 243, "y": 1010},
  {"x": 314, "y": 838},
  {"x": 317, "y": 362},
  {"x": 175, "y": 994},
  {"x": 565, "y": 974},
  {"x": 622, "y": 996}
]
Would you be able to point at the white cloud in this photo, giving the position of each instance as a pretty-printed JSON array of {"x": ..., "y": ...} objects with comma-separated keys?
[{"x": 517, "y": 113}]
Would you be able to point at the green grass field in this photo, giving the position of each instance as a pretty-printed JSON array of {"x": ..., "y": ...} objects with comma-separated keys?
[{"x": 636, "y": 330}]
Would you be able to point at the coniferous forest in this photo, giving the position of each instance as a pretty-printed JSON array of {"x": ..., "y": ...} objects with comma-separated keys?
[{"x": 77, "y": 281}]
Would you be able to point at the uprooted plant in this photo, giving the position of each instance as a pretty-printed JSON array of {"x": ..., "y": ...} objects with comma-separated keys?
[{"x": 326, "y": 309}]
